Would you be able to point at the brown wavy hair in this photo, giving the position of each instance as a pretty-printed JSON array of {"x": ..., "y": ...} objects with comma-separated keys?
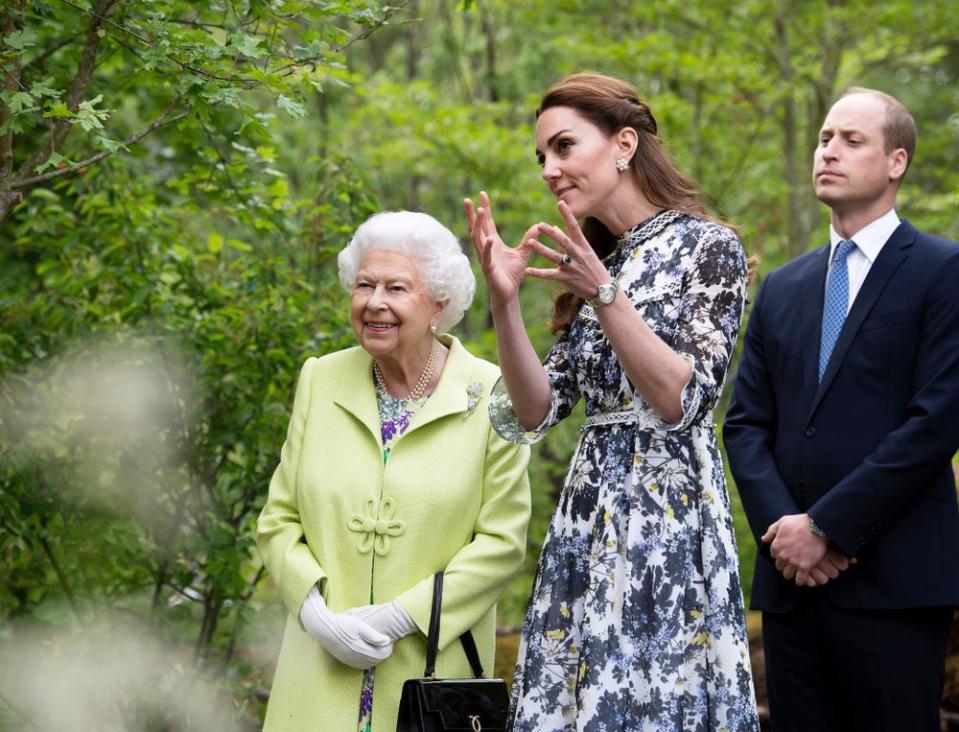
[{"x": 611, "y": 104}]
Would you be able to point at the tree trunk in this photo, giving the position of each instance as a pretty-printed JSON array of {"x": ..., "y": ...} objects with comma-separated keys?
[
  {"x": 412, "y": 69},
  {"x": 10, "y": 81},
  {"x": 795, "y": 231},
  {"x": 489, "y": 34}
]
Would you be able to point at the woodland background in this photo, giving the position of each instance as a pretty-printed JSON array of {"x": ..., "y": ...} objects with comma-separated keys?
[{"x": 176, "y": 179}]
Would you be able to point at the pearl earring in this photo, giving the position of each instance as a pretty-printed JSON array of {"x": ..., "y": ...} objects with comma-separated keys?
[{"x": 622, "y": 165}]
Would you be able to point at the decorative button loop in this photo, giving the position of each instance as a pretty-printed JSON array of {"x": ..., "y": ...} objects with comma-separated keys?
[{"x": 377, "y": 526}]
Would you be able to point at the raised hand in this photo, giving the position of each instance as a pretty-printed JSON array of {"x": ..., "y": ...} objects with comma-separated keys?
[
  {"x": 577, "y": 266},
  {"x": 504, "y": 267}
]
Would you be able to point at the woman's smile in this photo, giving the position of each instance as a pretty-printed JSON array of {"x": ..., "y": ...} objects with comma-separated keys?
[{"x": 379, "y": 326}]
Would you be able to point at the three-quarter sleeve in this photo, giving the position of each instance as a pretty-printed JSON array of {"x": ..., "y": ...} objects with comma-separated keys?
[
  {"x": 479, "y": 572},
  {"x": 279, "y": 531},
  {"x": 565, "y": 393},
  {"x": 708, "y": 324}
]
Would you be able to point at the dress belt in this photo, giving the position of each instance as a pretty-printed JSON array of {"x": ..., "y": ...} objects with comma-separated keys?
[{"x": 627, "y": 416}]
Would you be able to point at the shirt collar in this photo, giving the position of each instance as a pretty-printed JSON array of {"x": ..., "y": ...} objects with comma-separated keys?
[{"x": 870, "y": 238}]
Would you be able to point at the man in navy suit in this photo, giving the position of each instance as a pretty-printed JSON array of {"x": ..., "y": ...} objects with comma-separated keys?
[{"x": 843, "y": 423}]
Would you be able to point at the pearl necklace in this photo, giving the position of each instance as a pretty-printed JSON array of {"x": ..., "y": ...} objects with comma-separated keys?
[{"x": 424, "y": 381}]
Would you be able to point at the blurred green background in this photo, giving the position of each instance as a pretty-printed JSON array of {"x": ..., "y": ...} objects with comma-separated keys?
[{"x": 176, "y": 179}]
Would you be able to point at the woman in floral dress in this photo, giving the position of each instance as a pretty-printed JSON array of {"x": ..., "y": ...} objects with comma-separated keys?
[{"x": 636, "y": 617}]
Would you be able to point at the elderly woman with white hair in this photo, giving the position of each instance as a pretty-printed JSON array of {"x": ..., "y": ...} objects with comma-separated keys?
[{"x": 390, "y": 472}]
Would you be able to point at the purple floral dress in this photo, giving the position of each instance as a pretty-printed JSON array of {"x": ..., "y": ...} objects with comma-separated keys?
[{"x": 395, "y": 417}]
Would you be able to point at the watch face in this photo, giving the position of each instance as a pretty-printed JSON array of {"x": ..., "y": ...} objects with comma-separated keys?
[{"x": 606, "y": 294}]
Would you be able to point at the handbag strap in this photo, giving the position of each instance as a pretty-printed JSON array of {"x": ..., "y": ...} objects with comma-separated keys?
[{"x": 433, "y": 636}]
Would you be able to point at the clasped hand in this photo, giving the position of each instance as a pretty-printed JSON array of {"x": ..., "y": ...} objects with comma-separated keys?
[
  {"x": 505, "y": 267},
  {"x": 347, "y": 638},
  {"x": 802, "y": 555}
]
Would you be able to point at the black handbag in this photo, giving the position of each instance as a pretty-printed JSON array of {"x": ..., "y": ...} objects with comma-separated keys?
[{"x": 438, "y": 705}]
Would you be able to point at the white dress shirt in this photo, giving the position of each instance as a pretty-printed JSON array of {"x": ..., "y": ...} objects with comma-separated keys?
[{"x": 869, "y": 241}]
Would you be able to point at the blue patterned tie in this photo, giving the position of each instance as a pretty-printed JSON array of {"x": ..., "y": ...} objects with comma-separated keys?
[{"x": 836, "y": 304}]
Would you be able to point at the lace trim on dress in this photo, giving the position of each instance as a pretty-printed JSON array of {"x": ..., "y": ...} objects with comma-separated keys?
[{"x": 645, "y": 230}]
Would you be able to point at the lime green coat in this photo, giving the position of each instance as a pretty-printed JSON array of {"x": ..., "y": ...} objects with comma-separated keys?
[{"x": 453, "y": 496}]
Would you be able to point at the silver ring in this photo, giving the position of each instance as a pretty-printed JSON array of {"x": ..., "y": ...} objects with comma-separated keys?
[{"x": 565, "y": 261}]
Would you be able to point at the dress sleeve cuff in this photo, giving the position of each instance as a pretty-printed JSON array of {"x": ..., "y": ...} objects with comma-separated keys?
[
  {"x": 689, "y": 399},
  {"x": 503, "y": 418}
]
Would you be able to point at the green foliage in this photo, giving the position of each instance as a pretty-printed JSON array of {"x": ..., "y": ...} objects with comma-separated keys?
[
  {"x": 155, "y": 307},
  {"x": 150, "y": 500},
  {"x": 176, "y": 178}
]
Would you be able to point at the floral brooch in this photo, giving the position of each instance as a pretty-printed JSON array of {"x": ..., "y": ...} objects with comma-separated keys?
[{"x": 473, "y": 393}]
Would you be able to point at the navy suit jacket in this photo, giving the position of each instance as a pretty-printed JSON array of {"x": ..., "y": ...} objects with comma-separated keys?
[{"x": 867, "y": 451}]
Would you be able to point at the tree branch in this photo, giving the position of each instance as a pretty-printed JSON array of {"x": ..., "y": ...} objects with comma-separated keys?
[
  {"x": 287, "y": 69},
  {"x": 237, "y": 621},
  {"x": 54, "y": 562},
  {"x": 78, "y": 88},
  {"x": 745, "y": 151},
  {"x": 11, "y": 81},
  {"x": 145, "y": 41},
  {"x": 162, "y": 121},
  {"x": 226, "y": 163},
  {"x": 50, "y": 50}
]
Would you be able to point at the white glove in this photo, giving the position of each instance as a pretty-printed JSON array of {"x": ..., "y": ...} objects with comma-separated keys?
[
  {"x": 346, "y": 637},
  {"x": 390, "y": 619}
]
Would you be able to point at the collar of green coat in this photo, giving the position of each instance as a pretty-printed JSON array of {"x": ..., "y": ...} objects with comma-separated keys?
[{"x": 357, "y": 395}]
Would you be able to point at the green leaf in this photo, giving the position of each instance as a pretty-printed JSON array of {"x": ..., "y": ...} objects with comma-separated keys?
[
  {"x": 248, "y": 45},
  {"x": 88, "y": 116},
  {"x": 16, "y": 125},
  {"x": 40, "y": 89},
  {"x": 226, "y": 95},
  {"x": 108, "y": 144},
  {"x": 20, "y": 101},
  {"x": 214, "y": 242},
  {"x": 152, "y": 57},
  {"x": 279, "y": 189},
  {"x": 274, "y": 81},
  {"x": 45, "y": 193},
  {"x": 21, "y": 39},
  {"x": 55, "y": 160},
  {"x": 294, "y": 109},
  {"x": 59, "y": 109},
  {"x": 239, "y": 245}
]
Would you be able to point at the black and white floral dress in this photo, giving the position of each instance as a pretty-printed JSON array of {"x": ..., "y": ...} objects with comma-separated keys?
[{"x": 636, "y": 617}]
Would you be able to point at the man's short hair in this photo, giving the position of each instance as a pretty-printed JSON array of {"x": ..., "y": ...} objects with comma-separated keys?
[{"x": 899, "y": 129}]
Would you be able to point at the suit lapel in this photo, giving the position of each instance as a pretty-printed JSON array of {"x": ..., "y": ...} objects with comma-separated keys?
[{"x": 887, "y": 261}]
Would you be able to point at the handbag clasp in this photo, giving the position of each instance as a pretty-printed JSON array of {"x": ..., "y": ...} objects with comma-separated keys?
[{"x": 475, "y": 723}]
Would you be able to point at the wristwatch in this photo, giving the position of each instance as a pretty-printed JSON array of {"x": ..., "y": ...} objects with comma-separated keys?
[
  {"x": 814, "y": 528},
  {"x": 604, "y": 295}
]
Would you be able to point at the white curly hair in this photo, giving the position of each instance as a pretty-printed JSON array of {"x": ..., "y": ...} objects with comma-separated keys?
[{"x": 433, "y": 248}]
